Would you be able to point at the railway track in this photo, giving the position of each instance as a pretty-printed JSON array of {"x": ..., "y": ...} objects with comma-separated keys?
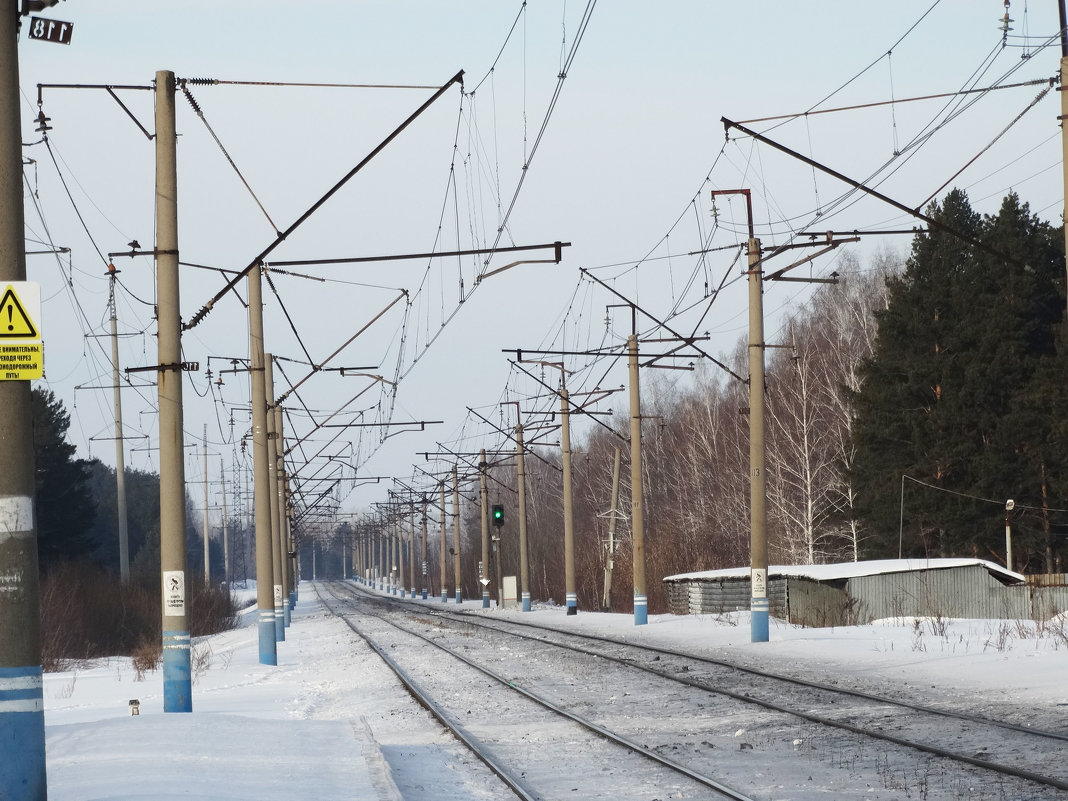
[
  {"x": 640, "y": 772},
  {"x": 988, "y": 752}
]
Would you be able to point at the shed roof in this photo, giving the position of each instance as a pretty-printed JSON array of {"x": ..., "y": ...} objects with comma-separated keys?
[{"x": 847, "y": 570}]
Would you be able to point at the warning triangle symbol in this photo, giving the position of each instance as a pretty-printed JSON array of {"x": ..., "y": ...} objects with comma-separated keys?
[{"x": 14, "y": 322}]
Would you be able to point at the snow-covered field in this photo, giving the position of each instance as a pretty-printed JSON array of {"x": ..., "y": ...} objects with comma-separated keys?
[{"x": 329, "y": 722}]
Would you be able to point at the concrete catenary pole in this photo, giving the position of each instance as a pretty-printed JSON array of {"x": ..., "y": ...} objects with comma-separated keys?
[
  {"x": 280, "y": 499},
  {"x": 177, "y": 681},
  {"x": 484, "y": 573},
  {"x": 120, "y": 446},
  {"x": 444, "y": 543},
  {"x": 287, "y": 560},
  {"x": 22, "y": 726},
  {"x": 411, "y": 547},
  {"x": 400, "y": 554},
  {"x": 394, "y": 536},
  {"x": 613, "y": 516},
  {"x": 456, "y": 534},
  {"x": 570, "y": 593},
  {"x": 390, "y": 547},
  {"x": 521, "y": 481},
  {"x": 206, "y": 530},
  {"x": 637, "y": 519},
  {"x": 758, "y": 556},
  {"x": 261, "y": 477},
  {"x": 398, "y": 549},
  {"x": 225, "y": 531},
  {"x": 379, "y": 553},
  {"x": 291, "y": 544},
  {"x": 424, "y": 567},
  {"x": 272, "y": 492}
]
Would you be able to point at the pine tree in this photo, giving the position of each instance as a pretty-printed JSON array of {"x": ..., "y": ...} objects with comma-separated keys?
[
  {"x": 950, "y": 398},
  {"x": 65, "y": 507}
]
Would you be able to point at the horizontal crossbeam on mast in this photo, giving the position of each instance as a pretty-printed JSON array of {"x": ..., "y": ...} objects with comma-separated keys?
[
  {"x": 421, "y": 423},
  {"x": 430, "y": 255}
]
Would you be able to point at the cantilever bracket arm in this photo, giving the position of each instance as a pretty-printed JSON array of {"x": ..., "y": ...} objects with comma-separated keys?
[
  {"x": 282, "y": 235},
  {"x": 555, "y": 260},
  {"x": 931, "y": 221}
]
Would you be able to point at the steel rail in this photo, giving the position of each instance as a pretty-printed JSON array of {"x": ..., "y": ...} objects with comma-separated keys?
[
  {"x": 748, "y": 698},
  {"x": 472, "y": 744},
  {"x": 607, "y": 734}
]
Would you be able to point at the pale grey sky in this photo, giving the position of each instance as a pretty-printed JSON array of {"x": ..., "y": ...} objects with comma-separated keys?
[{"x": 619, "y": 171}]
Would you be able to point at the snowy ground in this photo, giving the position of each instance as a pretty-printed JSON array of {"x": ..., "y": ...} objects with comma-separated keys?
[{"x": 329, "y": 722}]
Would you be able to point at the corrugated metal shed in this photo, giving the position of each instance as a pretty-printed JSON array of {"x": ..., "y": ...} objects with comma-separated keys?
[{"x": 859, "y": 592}]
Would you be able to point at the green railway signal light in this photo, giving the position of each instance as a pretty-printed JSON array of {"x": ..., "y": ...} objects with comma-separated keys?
[{"x": 498, "y": 515}]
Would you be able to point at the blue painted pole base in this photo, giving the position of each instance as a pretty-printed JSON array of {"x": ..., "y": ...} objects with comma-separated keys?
[
  {"x": 279, "y": 624},
  {"x": 760, "y": 618},
  {"x": 268, "y": 643},
  {"x": 459, "y": 599},
  {"x": 177, "y": 676},
  {"x": 22, "y": 732},
  {"x": 287, "y": 618},
  {"x": 572, "y": 603},
  {"x": 444, "y": 596},
  {"x": 424, "y": 593},
  {"x": 485, "y": 599},
  {"x": 641, "y": 610},
  {"x": 526, "y": 601}
]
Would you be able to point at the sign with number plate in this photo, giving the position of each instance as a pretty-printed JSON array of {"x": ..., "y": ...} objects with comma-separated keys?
[{"x": 51, "y": 30}]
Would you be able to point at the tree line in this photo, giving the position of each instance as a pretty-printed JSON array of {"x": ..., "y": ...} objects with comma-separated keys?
[{"x": 85, "y": 611}]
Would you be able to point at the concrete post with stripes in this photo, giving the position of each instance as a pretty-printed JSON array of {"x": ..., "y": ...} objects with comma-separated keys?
[
  {"x": 444, "y": 539},
  {"x": 484, "y": 503},
  {"x": 758, "y": 556},
  {"x": 272, "y": 491},
  {"x": 261, "y": 480},
  {"x": 22, "y": 730},
  {"x": 570, "y": 593},
  {"x": 177, "y": 676},
  {"x": 424, "y": 567},
  {"x": 411, "y": 548},
  {"x": 283, "y": 536},
  {"x": 521, "y": 482},
  {"x": 456, "y": 534},
  {"x": 637, "y": 519}
]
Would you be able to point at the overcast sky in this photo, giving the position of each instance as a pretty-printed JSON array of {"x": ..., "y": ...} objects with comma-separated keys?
[{"x": 621, "y": 168}]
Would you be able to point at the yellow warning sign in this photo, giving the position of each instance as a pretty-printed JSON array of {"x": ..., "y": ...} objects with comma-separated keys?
[
  {"x": 15, "y": 322},
  {"x": 21, "y": 351}
]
